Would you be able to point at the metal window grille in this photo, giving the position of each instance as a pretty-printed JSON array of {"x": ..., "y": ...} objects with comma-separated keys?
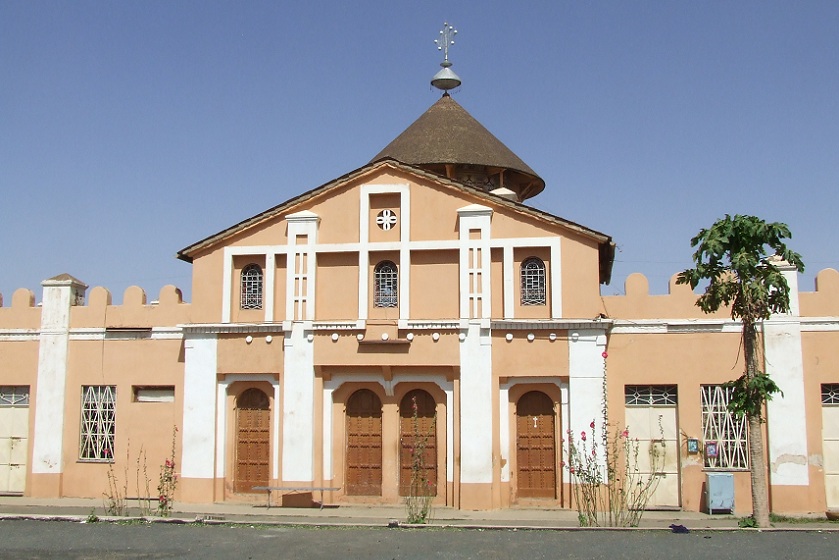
[
  {"x": 252, "y": 287},
  {"x": 830, "y": 393},
  {"x": 98, "y": 422},
  {"x": 533, "y": 282},
  {"x": 650, "y": 395},
  {"x": 387, "y": 281},
  {"x": 14, "y": 395},
  {"x": 721, "y": 426}
]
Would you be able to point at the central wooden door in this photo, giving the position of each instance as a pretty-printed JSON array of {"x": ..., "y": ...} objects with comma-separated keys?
[
  {"x": 535, "y": 446},
  {"x": 364, "y": 444},
  {"x": 253, "y": 437},
  {"x": 423, "y": 435}
]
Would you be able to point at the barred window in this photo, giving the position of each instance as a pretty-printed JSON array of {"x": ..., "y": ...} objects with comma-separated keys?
[
  {"x": 830, "y": 393},
  {"x": 650, "y": 395},
  {"x": 387, "y": 281},
  {"x": 14, "y": 395},
  {"x": 98, "y": 423},
  {"x": 533, "y": 282},
  {"x": 252, "y": 287},
  {"x": 725, "y": 435}
]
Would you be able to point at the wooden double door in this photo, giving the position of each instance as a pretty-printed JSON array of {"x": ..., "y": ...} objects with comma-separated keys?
[{"x": 418, "y": 434}]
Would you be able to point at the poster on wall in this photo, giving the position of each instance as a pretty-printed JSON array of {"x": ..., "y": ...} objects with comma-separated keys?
[{"x": 711, "y": 449}]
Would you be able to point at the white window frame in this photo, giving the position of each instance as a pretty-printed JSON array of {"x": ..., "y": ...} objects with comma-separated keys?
[
  {"x": 722, "y": 426},
  {"x": 98, "y": 423}
]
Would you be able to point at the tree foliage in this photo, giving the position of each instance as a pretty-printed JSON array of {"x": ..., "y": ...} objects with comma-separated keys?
[{"x": 739, "y": 257}]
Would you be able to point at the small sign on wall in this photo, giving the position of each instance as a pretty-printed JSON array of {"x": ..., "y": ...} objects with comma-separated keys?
[{"x": 693, "y": 446}]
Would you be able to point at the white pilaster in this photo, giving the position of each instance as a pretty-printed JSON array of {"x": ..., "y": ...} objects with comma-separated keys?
[
  {"x": 504, "y": 436},
  {"x": 302, "y": 266},
  {"x": 200, "y": 368},
  {"x": 298, "y": 405},
  {"x": 227, "y": 285},
  {"x": 509, "y": 276},
  {"x": 449, "y": 389},
  {"x": 476, "y": 405},
  {"x": 59, "y": 294},
  {"x": 269, "y": 287},
  {"x": 475, "y": 285},
  {"x": 586, "y": 361},
  {"x": 786, "y": 414},
  {"x": 556, "y": 279},
  {"x": 327, "y": 433}
]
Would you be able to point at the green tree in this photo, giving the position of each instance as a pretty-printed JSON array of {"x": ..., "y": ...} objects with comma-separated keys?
[{"x": 739, "y": 257}]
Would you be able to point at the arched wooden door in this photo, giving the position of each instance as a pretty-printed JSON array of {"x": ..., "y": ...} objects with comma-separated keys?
[
  {"x": 253, "y": 440},
  {"x": 364, "y": 444},
  {"x": 414, "y": 439},
  {"x": 535, "y": 446}
]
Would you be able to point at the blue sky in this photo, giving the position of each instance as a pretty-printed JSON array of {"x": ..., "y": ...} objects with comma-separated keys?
[{"x": 129, "y": 130}]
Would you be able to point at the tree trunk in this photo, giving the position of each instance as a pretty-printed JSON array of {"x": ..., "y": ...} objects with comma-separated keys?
[{"x": 757, "y": 459}]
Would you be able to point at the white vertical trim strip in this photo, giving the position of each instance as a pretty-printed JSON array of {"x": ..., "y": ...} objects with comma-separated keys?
[
  {"x": 268, "y": 287},
  {"x": 221, "y": 423},
  {"x": 327, "y": 434},
  {"x": 449, "y": 431},
  {"x": 363, "y": 252},
  {"x": 565, "y": 413},
  {"x": 405, "y": 254},
  {"x": 226, "y": 285},
  {"x": 509, "y": 275},
  {"x": 556, "y": 279},
  {"x": 275, "y": 471},
  {"x": 504, "y": 421},
  {"x": 311, "y": 272}
]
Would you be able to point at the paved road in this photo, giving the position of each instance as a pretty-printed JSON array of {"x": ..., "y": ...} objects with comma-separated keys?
[{"x": 27, "y": 539}]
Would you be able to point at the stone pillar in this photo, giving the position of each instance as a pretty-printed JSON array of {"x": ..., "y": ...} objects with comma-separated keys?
[
  {"x": 298, "y": 394},
  {"x": 199, "y": 422},
  {"x": 60, "y": 293},
  {"x": 786, "y": 415},
  {"x": 585, "y": 380}
]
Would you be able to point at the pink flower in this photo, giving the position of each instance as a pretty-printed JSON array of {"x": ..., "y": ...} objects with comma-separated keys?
[
  {"x": 562, "y": 464},
  {"x": 594, "y": 452},
  {"x": 625, "y": 433},
  {"x": 583, "y": 436},
  {"x": 605, "y": 355},
  {"x": 591, "y": 425},
  {"x": 571, "y": 470}
]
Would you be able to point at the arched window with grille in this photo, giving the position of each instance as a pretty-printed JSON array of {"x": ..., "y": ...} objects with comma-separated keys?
[
  {"x": 533, "y": 282},
  {"x": 387, "y": 281},
  {"x": 251, "y": 287}
]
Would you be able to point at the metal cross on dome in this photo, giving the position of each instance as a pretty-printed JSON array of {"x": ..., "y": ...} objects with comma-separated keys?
[
  {"x": 386, "y": 219},
  {"x": 446, "y": 40}
]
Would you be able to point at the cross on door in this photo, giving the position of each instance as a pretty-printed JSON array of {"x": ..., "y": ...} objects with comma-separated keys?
[{"x": 535, "y": 419}]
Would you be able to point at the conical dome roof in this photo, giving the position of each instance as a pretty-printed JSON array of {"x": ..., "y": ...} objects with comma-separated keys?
[{"x": 448, "y": 140}]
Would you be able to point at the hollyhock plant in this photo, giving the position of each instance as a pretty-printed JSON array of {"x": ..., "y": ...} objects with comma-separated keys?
[{"x": 608, "y": 486}]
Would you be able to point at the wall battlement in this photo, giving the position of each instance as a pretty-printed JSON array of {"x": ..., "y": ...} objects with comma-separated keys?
[
  {"x": 97, "y": 310},
  {"x": 680, "y": 301}
]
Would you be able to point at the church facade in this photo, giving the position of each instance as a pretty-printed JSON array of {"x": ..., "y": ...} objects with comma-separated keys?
[{"x": 418, "y": 290}]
